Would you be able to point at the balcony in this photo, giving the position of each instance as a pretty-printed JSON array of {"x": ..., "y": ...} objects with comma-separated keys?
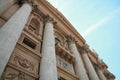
[{"x": 63, "y": 53}]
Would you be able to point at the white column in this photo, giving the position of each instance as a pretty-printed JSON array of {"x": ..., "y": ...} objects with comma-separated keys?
[
  {"x": 101, "y": 75},
  {"x": 79, "y": 66},
  {"x": 89, "y": 66},
  {"x": 98, "y": 69},
  {"x": 10, "y": 33},
  {"x": 48, "y": 68}
]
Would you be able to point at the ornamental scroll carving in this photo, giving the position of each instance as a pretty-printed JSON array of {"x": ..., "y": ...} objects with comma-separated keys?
[
  {"x": 50, "y": 19},
  {"x": 23, "y": 62},
  {"x": 84, "y": 49},
  {"x": 70, "y": 39},
  {"x": 20, "y": 61}
]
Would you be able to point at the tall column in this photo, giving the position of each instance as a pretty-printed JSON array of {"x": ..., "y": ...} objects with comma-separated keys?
[
  {"x": 89, "y": 66},
  {"x": 79, "y": 66},
  {"x": 48, "y": 69},
  {"x": 99, "y": 71},
  {"x": 101, "y": 75},
  {"x": 10, "y": 33}
]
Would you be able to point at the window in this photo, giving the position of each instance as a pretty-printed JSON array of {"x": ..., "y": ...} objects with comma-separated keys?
[
  {"x": 29, "y": 43},
  {"x": 61, "y": 78},
  {"x": 34, "y": 26},
  {"x": 63, "y": 64}
]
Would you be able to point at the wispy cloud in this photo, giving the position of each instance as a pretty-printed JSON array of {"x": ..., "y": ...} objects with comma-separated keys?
[
  {"x": 95, "y": 26},
  {"x": 100, "y": 23}
]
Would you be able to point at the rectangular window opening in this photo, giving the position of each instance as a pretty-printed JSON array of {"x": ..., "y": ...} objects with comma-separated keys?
[
  {"x": 61, "y": 78},
  {"x": 29, "y": 43}
]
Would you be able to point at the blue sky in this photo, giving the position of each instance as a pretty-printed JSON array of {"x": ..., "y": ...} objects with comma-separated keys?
[{"x": 98, "y": 21}]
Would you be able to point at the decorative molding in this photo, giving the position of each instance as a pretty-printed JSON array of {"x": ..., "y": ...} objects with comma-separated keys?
[
  {"x": 86, "y": 46},
  {"x": 23, "y": 62},
  {"x": 48, "y": 18},
  {"x": 38, "y": 11},
  {"x": 81, "y": 49}
]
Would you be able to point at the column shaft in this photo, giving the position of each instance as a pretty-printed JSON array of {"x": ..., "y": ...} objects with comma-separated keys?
[
  {"x": 10, "y": 33},
  {"x": 79, "y": 66},
  {"x": 89, "y": 66},
  {"x": 101, "y": 75},
  {"x": 48, "y": 69}
]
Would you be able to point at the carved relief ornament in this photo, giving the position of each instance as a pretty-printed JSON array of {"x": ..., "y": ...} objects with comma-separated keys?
[
  {"x": 48, "y": 18},
  {"x": 97, "y": 66},
  {"x": 24, "y": 63},
  {"x": 70, "y": 39},
  {"x": 81, "y": 49}
]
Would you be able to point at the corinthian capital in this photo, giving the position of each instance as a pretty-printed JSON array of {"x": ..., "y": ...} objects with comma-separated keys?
[
  {"x": 81, "y": 49},
  {"x": 70, "y": 39},
  {"x": 50, "y": 19},
  {"x": 97, "y": 66},
  {"x": 86, "y": 47}
]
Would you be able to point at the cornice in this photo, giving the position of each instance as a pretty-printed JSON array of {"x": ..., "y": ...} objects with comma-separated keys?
[{"x": 68, "y": 25}]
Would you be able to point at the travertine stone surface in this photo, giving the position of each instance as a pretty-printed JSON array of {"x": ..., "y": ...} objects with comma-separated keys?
[
  {"x": 48, "y": 69},
  {"x": 79, "y": 67},
  {"x": 13, "y": 74},
  {"x": 5, "y": 4},
  {"x": 89, "y": 66},
  {"x": 10, "y": 32},
  {"x": 101, "y": 75}
]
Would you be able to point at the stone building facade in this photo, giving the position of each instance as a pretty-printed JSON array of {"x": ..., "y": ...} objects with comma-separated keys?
[{"x": 38, "y": 43}]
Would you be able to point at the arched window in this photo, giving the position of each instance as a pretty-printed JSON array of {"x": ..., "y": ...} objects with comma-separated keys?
[{"x": 34, "y": 26}]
